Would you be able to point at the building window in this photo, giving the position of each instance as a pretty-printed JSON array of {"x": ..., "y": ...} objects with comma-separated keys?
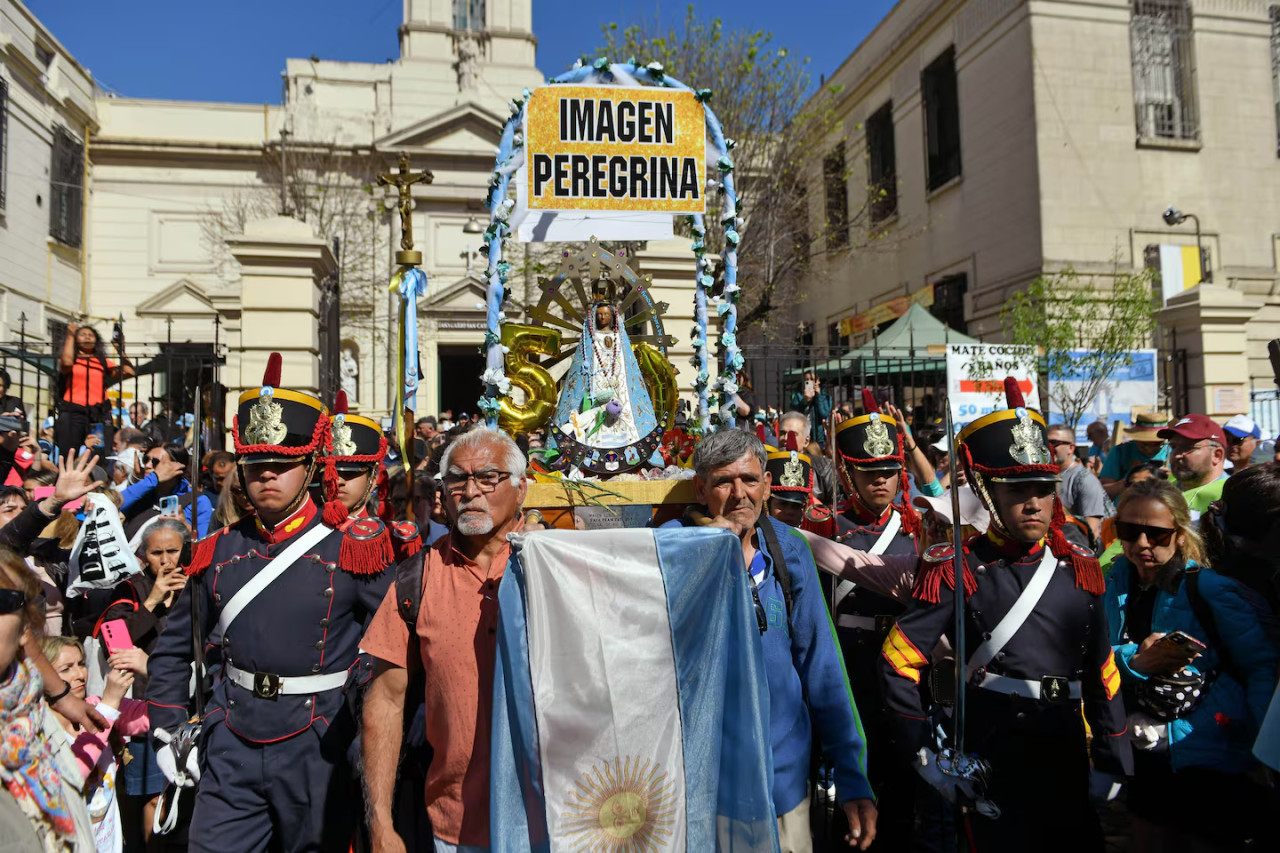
[
  {"x": 4, "y": 135},
  {"x": 1164, "y": 70},
  {"x": 948, "y": 300},
  {"x": 468, "y": 14},
  {"x": 942, "y": 119},
  {"x": 66, "y": 188},
  {"x": 1275, "y": 68},
  {"x": 881, "y": 164},
  {"x": 836, "y": 190}
]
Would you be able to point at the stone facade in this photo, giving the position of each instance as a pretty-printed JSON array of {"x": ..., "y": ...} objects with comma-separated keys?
[{"x": 1054, "y": 171}]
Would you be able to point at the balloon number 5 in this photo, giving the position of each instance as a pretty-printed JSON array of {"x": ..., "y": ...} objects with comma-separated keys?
[{"x": 524, "y": 344}]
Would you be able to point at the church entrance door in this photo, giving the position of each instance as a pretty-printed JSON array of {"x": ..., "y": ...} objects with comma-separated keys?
[{"x": 459, "y": 378}]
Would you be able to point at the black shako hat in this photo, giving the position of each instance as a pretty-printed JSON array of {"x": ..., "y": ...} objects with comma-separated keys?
[
  {"x": 358, "y": 442},
  {"x": 792, "y": 473},
  {"x": 274, "y": 424},
  {"x": 1010, "y": 444},
  {"x": 869, "y": 442}
]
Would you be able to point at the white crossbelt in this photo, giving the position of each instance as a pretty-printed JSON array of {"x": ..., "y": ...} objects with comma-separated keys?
[
  {"x": 1022, "y": 687},
  {"x": 860, "y": 623},
  {"x": 1017, "y": 615},
  {"x": 891, "y": 528},
  {"x": 290, "y": 685},
  {"x": 267, "y": 575}
]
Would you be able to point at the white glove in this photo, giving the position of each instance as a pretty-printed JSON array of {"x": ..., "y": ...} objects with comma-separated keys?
[
  {"x": 166, "y": 758},
  {"x": 1148, "y": 734},
  {"x": 1103, "y": 787}
]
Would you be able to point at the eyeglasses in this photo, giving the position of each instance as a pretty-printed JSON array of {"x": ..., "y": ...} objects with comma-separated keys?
[
  {"x": 1181, "y": 448},
  {"x": 1157, "y": 536},
  {"x": 12, "y": 600},
  {"x": 762, "y": 621},
  {"x": 1053, "y": 443},
  {"x": 486, "y": 481},
  {"x": 1236, "y": 440}
]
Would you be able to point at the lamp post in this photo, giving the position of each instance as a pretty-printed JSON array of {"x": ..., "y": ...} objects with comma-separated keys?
[{"x": 1173, "y": 216}]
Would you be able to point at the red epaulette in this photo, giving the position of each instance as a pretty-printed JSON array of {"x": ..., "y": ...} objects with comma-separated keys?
[
  {"x": 821, "y": 520},
  {"x": 937, "y": 567},
  {"x": 202, "y": 553},
  {"x": 406, "y": 540},
  {"x": 366, "y": 547}
]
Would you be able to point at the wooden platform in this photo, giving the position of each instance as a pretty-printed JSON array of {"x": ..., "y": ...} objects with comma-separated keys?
[{"x": 663, "y": 500}]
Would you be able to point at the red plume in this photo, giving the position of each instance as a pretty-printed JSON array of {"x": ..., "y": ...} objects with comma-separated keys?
[
  {"x": 340, "y": 403},
  {"x": 271, "y": 376},
  {"x": 1013, "y": 394},
  {"x": 760, "y": 434},
  {"x": 792, "y": 442},
  {"x": 869, "y": 401}
]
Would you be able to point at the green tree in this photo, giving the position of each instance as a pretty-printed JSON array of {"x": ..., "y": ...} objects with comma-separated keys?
[
  {"x": 1060, "y": 314},
  {"x": 764, "y": 101}
]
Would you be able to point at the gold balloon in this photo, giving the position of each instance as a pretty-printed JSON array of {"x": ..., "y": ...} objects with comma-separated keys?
[
  {"x": 523, "y": 344},
  {"x": 660, "y": 381}
]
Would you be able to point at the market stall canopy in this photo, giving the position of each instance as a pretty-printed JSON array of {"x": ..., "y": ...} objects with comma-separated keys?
[{"x": 901, "y": 347}]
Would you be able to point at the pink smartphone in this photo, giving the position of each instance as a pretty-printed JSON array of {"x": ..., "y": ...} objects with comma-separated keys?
[{"x": 115, "y": 636}]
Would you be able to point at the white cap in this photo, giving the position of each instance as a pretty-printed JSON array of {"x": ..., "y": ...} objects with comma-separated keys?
[
  {"x": 1242, "y": 426},
  {"x": 972, "y": 512}
]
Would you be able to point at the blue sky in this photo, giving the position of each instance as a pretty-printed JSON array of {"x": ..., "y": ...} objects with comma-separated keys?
[{"x": 234, "y": 50}]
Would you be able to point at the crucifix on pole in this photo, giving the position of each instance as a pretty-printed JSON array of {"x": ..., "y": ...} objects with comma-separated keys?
[{"x": 403, "y": 180}]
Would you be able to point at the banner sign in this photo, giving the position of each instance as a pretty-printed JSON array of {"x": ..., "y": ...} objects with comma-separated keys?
[
  {"x": 615, "y": 148},
  {"x": 885, "y": 311},
  {"x": 975, "y": 378},
  {"x": 1133, "y": 387}
]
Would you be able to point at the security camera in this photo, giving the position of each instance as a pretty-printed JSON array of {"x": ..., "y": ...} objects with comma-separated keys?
[{"x": 1173, "y": 216}]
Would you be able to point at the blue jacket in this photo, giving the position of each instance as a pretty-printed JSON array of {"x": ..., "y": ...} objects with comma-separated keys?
[
  {"x": 803, "y": 662},
  {"x": 1219, "y": 732},
  {"x": 142, "y": 495}
]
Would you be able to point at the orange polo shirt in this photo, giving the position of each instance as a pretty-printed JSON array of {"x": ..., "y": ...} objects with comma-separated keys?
[
  {"x": 85, "y": 384},
  {"x": 457, "y": 639}
]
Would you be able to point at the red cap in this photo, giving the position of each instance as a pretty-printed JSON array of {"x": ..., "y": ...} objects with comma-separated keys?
[{"x": 1194, "y": 428}]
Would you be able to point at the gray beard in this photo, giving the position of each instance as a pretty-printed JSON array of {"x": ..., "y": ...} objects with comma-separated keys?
[{"x": 471, "y": 525}]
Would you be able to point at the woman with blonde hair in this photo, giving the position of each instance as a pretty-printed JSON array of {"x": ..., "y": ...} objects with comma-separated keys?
[{"x": 1196, "y": 667}]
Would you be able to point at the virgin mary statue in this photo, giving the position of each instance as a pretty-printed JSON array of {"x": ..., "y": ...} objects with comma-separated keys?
[{"x": 603, "y": 402}]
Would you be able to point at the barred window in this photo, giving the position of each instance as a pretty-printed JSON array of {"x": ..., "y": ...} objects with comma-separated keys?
[
  {"x": 1164, "y": 70},
  {"x": 837, "y": 198},
  {"x": 881, "y": 164},
  {"x": 942, "y": 118},
  {"x": 1275, "y": 68},
  {"x": 948, "y": 300},
  {"x": 4, "y": 135},
  {"x": 468, "y": 15},
  {"x": 66, "y": 188}
]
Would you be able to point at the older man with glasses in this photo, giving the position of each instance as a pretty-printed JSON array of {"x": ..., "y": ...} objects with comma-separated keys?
[
  {"x": 453, "y": 643},
  {"x": 1197, "y": 458}
]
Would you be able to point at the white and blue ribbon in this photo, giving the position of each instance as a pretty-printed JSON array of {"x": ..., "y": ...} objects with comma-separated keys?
[{"x": 412, "y": 283}]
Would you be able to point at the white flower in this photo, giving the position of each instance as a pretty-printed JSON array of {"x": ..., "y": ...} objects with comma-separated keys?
[
  {"x": 497, "y": 378},
  {"x": 729, "y": 386}
]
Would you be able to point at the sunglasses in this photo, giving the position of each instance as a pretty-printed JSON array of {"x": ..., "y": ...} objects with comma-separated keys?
[
  {"x": 12, "y": 600},
  {"x": 1158, "y": 537},
  {"x": 1053, "y": 443}
]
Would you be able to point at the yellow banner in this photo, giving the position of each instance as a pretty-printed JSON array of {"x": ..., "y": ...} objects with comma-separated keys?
[
  {"x": 609, "y": 148},
  {"x": 885, "y": 311}
]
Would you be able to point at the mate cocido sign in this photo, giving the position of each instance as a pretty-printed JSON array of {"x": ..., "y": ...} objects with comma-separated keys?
[{"x": 615, "y": 148}]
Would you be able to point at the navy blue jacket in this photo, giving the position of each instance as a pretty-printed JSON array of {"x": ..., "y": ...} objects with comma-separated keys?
[{"x": 308, "y": 621}]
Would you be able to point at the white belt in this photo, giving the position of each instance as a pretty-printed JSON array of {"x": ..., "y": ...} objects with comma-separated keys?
[
  {"x": 861, "y": 623},
  {"x": 1033, "y": 689},
  {"x": 268, "y": 686}
]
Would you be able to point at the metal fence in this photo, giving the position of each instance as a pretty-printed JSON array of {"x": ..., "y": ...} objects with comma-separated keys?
[{"x": 1264, "y": 408}]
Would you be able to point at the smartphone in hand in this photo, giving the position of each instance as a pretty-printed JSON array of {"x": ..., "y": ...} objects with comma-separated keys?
[
  {"x": 115, "y": 636},
  {"x": 98, "y": 430},
  {"x": 1181, "y": 642},
  {"x": 169, "y": 506}
]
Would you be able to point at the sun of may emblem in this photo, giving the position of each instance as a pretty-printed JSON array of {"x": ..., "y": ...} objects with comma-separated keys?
[
  {"x": 265, "y": 426},
  {"x": 793, "y": 472},
  {"x": 878, "y": 443},
  {"x": 624, "y": 807},
  {"x": 1028, "y": 445},
  {"x": 342, "y": 443}
]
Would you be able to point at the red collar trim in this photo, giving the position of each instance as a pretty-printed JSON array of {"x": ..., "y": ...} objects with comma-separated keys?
[
  {"x": 288, "y": 527},
  {"x": 863, "y": 515},
  {"x": 1011, "y": 547}
]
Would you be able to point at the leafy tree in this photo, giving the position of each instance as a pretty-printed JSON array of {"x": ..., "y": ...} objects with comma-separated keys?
[
  {"x": 763, "y": 98},
  {"x": 1060, "y": 314}
]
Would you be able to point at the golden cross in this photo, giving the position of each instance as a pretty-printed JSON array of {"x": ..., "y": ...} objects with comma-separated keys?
[{"x": 403, "y": 181}]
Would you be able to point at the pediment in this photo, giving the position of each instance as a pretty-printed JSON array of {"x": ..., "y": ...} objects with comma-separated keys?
[
  {"x": 464, "y": 296},
  {"x": 466, "y": 127},
  {"x": 182, "y": 298}
]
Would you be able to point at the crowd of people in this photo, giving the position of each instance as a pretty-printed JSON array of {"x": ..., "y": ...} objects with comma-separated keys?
[{"x": 1120, "y": 643}]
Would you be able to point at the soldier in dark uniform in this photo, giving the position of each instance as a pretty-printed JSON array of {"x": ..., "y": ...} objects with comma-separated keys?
[
  {"x": 878, "y": 518},
  {"x": 280, "y": 620},
  {"x": 357, "y": 458},
  {"x": 1026, "y": 678}
]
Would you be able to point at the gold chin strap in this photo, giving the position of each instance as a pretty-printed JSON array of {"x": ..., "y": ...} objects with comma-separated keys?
[
  {"x": 368, "y": 490},
  {"x": 989, "y": 502}
]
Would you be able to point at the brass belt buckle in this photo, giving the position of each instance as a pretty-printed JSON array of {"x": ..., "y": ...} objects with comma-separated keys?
[
  {"x": 266, "y": 685},
  {"x": 1054, "y": 689}
]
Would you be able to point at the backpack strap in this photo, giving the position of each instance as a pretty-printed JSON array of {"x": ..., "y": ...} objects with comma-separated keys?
[
  {"x": 1204, "y": 615},
  {"x": 780, "y": 570},
  {"x": 410, "y": 581}
]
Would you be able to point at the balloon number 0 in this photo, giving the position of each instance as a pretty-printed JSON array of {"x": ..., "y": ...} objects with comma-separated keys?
[{"x": 523, "y": 344}]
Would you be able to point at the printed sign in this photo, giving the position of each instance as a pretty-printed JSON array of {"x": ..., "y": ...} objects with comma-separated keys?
[
  {"x": 885, "y": 311},
  {"x": 975, "y": 378},
  {"x": 615, "y": 148},
  {"x": 1134, "y": 386}
]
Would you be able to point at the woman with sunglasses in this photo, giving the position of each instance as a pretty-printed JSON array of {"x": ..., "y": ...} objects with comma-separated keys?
[
  {"x": 1196, "y": 669},
  {"x": 165, "y": 465}
]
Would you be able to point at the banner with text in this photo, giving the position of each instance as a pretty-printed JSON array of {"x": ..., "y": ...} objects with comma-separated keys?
[
  {"x": 1128, "y": 388},
  {"x": 615, "y": 148},
  {"x": 975, "y": 378},
  {"x": 885, "y": 311}
]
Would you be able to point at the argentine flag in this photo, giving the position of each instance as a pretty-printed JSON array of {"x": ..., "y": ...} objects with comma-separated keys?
[{"x": 630, "y": 702}]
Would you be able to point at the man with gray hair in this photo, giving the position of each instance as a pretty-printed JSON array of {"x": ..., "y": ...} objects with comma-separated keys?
[
  {"x": 454, "y": 619},
  {"x": 807, "y": 684},
  {"x": 824, "y": 470}
]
